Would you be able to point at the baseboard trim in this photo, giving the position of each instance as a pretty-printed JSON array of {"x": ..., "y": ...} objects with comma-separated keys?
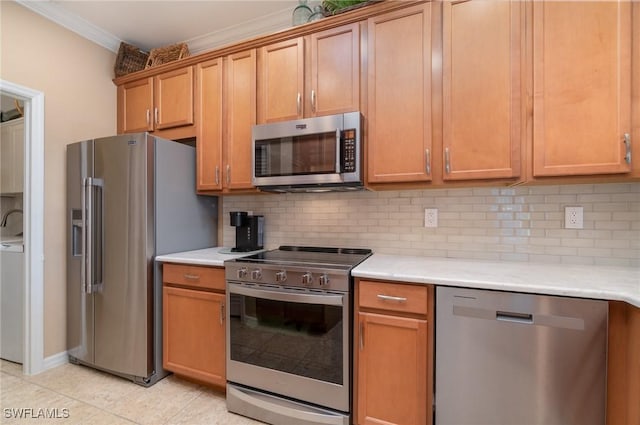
[{"x": 55, "y": 360}]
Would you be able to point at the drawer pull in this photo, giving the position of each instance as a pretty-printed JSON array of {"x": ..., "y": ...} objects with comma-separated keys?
[
  {"x": 191, "y": 276},
  {"x": 390, "y": 298}
]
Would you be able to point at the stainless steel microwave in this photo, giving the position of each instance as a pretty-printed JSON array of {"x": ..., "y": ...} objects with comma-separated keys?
[{"x": 312, "y": 154}]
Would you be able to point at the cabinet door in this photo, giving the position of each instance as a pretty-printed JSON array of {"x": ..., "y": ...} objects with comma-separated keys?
[
  {"x": 399, "y": 96},
  {"x": 392, "y": 370},
  {"x": 241, "y": 116},
  {"x": 194, "y": 334},
  {"x": 335, "y": 70},
  {"x": 209, "y": 119},
  {"x": 581, "y": 87},
  {"x": 174, "y": 98},
  {"x": 135, "y": 106},
  {"x": 281, "y": 81},
  {"x": 483, "y": 46},
  {"x": 12, "y": 156}
]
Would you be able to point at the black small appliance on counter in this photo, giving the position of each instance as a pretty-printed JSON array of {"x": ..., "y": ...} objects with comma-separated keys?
[{"x": 249, "y": 231}]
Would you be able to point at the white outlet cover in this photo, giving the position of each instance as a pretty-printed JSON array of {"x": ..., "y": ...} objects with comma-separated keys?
[
  {"x": 431, "y": 217},
  {"x": 573, "y": 218}
]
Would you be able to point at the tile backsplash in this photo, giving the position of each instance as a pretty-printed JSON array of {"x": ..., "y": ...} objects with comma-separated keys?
[{"x": 524, "y": 223}]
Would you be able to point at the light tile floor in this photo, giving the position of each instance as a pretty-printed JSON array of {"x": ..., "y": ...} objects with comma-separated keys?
[{"x": 81, "y": 395}]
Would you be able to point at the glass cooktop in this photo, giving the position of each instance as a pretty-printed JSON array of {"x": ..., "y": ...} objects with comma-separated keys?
[{"x": 345, "y": 258}]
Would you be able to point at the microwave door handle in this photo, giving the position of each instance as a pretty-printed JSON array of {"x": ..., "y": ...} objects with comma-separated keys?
[{"x": 338, "y": 168}]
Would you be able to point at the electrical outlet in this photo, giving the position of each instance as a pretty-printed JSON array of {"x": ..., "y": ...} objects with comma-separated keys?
[
  {"x": 430, "y": 217},
  {"x": 573, "y": 218}
]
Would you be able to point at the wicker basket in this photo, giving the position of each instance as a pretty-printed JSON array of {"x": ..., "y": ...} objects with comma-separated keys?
[
  {"x": 167, "y": 54},
  {"x": 129, "y": 59}
]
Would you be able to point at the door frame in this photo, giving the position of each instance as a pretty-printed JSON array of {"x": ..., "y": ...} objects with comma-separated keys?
[{"x": 33, "y": 199}]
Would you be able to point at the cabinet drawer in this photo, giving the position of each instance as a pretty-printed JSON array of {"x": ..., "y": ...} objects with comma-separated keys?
[
  {"x": 194, "y": 276},
  {"x": 393, "y": 297}
]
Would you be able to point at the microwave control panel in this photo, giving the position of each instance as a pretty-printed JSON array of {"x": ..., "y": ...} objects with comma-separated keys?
[{"x": 348, "y": 153}]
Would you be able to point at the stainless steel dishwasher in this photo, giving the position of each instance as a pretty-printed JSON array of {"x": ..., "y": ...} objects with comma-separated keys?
[{"x": 511, "y": 358}]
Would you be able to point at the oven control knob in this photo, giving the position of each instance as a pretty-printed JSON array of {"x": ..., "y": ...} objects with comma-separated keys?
[
  {"x": 307, "y": 278},
  {"x": 323, "y": 280},
  {"x": 256, "y": 274},
  {"x": 281, "y": 276},
  {"x": 242, "y": 273}
]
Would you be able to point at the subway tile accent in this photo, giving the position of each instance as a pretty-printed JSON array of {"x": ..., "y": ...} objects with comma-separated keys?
[{"x": 524, "y": 224}]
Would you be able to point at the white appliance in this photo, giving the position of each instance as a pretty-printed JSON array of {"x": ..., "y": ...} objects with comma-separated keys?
[{"x": 12, "y": 302}]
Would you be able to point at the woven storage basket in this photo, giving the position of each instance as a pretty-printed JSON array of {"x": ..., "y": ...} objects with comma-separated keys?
[
  {"x": 129, "y": 59},
  {"x": 167, "y": 54}
]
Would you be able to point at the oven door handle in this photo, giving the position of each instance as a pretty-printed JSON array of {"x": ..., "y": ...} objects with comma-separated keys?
[{"x": 279, "y": 295}]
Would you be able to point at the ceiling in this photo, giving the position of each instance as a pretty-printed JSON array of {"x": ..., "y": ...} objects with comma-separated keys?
[{"x": 147, "y": 24}]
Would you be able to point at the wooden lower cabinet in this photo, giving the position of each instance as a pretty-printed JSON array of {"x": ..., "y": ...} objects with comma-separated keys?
[
  {"x": 193, "y": 328},
  {"x": 623, "y": 368},
  {"x": 393, "y": 354}
]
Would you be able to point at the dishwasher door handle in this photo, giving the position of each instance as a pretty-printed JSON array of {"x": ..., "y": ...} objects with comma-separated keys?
[
  {"x": 508, "y": 316},
  {"x": 548, "y": 320}
]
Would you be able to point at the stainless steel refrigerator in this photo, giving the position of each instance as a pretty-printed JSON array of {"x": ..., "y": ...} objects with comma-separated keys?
[{"x": 129, "y": 198}]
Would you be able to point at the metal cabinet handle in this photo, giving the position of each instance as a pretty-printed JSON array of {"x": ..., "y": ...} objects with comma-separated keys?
[
  {"x": 427, "y": 155},
  {"x": 627, "y": 144},
  {"x": 217, "y": 175},
  {"x": 222, "y": 313},
  {"x": 148, "y": 116},
  {"x": 299, "y": 103},
  {"x": 361, "y": 335},
  {"x": 228, "y": 174},
  {"x": 155, "y": 114},
  {"x": 338, "y": 156},
  {"x": 313, "y": 100},
  {"x": 390, "y": 298},
  {"x": 447, "y": 162},
  {"x": 191, "y": 276}
]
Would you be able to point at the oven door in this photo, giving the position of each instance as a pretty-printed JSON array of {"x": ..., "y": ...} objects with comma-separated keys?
[{"x": 290, "y": 342}]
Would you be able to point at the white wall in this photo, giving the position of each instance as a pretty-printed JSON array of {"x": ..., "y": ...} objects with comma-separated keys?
[
  {"x": 80, "y": 103},
  {"x": 510, "y": 224}
]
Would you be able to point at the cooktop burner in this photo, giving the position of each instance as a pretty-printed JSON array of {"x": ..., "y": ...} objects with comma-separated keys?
[{"x": 344, "y": 258}]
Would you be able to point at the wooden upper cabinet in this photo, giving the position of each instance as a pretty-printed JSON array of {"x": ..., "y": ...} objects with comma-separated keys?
[
  {"x": 135, "y": 106},
  {"x": 581, "y": 87},
  {"x": 310, "y": 76},
  {"x": 241, "y": 116},
  {"x": 173, "y": 95},
  {"x": 482, "y": 60},
  {"x": 281, "y": 81},
  {"x": 156, "y": 103},
  {"x": 209, "y": 117},
  {"x": 399, "y": 143},
  {"x": 335, "y": 71}
]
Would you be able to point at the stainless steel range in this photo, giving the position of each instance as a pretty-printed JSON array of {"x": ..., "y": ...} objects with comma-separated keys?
[{"x": 289, "y": 327}]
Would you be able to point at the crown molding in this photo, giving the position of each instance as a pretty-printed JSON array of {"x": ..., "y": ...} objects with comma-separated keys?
[
  {"x": 265, "y": 24},
  {"x": 269, "y": 23},
  {"x": 72, "y": 22}
]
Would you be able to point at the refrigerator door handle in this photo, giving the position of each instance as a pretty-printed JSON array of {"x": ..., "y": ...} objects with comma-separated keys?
[
  {"x": 91, "y": 262},
  {"x": 85, "y": 238},
  {"x": 99, "y": 228},
  {"x": 87, "y": 252}
]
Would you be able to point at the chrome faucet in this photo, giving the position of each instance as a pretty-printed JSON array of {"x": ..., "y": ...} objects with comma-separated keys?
[{"x": 6, "y": 215}]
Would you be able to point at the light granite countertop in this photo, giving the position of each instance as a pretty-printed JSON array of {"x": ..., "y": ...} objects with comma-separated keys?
[
  {"x": 215, "y": 256},
  {"x": 610, "y": 283}
]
